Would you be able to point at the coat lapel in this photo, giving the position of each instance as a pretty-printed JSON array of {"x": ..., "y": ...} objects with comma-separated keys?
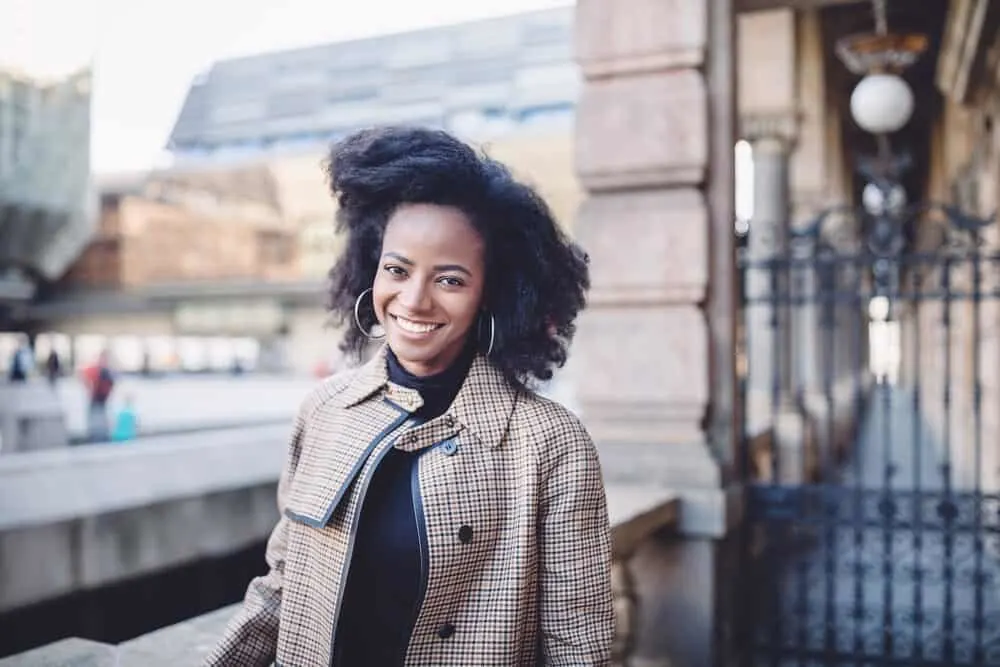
[
  {"x": 479, "y": 414},
  {"x": 343, "y": 434},
  {"x": 340, "y": 438}
]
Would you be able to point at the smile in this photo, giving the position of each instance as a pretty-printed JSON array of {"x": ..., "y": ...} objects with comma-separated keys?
[{"x": 415, "y": 327}]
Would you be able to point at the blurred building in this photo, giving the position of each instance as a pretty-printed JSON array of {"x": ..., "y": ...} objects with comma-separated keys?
[
  {"x": 233, "y": 240},
  {"x": 508, "y": 84},
  {"x": 487, "y": 79},
  {"x": 46, "y": 217},
  {"x": 177, "y": 228}
]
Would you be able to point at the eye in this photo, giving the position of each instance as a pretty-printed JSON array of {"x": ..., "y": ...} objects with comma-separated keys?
[
  {"x": 451, "y": 281},
  {"x": 395, "y": 271}
]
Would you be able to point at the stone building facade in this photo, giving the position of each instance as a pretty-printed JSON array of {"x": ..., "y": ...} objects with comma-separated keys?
[{"x": 172, "y": 228}]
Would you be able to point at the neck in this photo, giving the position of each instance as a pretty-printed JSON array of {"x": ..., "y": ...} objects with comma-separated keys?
[{"x": 438, "y": 389}]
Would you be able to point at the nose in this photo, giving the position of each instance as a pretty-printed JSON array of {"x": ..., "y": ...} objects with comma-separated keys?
[{"x": 415, "y": 296}]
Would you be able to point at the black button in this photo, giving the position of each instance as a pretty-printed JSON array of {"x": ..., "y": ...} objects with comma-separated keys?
[
  {"x": 465, "y": 534},
  {"x": 446, "y": 630}
]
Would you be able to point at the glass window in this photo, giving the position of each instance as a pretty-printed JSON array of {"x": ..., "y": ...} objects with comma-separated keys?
[
  {"x": 291, "y": 104},
  {"x": 482, "y": 70}
]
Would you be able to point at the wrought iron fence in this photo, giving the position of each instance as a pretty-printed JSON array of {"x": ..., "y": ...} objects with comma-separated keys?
[{"x": 872, "y": 403}]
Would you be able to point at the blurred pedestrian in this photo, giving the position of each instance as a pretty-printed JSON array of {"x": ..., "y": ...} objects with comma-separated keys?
[
  {"x": 101, "y": 382},
  {"x": 435, "y": 509},
  {"x": 126, "y": 422},
  {"x": 53, "y": 367},
  {"x": 22, "y": 362}
]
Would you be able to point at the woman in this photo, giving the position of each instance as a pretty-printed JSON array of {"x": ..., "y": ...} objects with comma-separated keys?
[{"x": 436, "y": 511}]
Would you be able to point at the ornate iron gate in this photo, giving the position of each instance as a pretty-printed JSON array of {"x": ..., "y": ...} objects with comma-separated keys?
[{"x": 871, "y": 392}]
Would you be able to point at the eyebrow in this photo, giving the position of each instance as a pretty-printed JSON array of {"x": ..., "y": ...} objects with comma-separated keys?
[{"x": 438, "y": 268}]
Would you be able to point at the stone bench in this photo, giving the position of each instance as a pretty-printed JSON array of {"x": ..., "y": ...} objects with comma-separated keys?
[{"x": 635, "y": 512}]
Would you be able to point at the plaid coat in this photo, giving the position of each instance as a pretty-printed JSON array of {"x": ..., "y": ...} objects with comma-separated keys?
[{"x": 515, "y": 471}]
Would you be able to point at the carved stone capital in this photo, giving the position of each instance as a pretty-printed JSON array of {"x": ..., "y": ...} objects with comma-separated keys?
[{"x": 778, "y": 125}]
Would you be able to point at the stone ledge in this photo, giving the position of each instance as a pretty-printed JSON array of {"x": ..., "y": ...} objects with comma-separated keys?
[
  {"x": 184, "y": 644},
  {"x": 59, "y": 485},
  {"x": 72, "y": 652},
  {"x": 636, "y": 512}
]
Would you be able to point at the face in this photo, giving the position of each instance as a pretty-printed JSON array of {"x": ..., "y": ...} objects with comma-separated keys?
[{"x": 429, "y": 285}]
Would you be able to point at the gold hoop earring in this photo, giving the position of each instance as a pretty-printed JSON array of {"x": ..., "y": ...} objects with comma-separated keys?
[{"x": 357, "y": 317}]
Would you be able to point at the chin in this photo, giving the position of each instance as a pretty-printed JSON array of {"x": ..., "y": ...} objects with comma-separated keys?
[{"x": 406, "y": 351}]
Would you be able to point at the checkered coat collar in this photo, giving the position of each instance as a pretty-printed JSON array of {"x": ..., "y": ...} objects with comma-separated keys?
[{"x": 483, "y": 406}]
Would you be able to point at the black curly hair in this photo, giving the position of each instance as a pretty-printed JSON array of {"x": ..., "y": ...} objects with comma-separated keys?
[{"x": 536, "y": 278}]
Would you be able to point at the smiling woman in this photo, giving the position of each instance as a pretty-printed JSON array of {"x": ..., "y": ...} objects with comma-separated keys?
[
  {"x": 429, "y": 287},
  {"x": 435, "y": 509},
  {"x": 423, "y": 187}
]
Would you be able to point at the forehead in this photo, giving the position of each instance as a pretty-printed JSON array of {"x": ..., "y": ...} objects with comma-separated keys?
[{"x": 431, "y": 228}]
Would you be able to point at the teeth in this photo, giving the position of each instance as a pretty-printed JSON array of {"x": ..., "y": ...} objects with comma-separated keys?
[{"x": 415, "y": 327}]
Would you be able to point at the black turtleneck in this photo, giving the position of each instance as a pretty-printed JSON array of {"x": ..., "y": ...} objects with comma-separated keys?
[
  {"x": 438, "y": 390},
  {"x": 388, "y": 567}
]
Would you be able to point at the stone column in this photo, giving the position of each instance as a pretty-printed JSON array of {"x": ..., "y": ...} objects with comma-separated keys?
[
  {"x": 766, "y": 286},
  {"x": 653, "y": 363},
  {"x": 776, "y": 341},
  {"x": 807, "y": 346}
]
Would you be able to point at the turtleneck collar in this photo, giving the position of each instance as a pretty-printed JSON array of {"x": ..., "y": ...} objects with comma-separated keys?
[{"x": 438, "y": 390}]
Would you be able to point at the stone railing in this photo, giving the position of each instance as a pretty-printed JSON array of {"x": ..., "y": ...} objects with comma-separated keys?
[
  {"x": 108, "y": 513},
  {"x": 636, "y": 513}
]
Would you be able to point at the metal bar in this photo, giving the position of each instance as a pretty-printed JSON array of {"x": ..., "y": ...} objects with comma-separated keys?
[
  {"x": 977, "y": 434},
  {"x": 775, "y": 533},
  {"x": 887, "y": 528},
  {"x": 858, "y": 506},
  {"x": 948, "y": 621},
  {"x": 917, "y": 425}
]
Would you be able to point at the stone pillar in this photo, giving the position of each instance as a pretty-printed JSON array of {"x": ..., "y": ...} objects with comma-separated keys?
[
  {"x": 653, "y": 363},
  {"x": 810, "y": 350},
  {"x": 766, "y": 287},
  {"x": 807, "y": 345},
  {"x": 774, "y": 349}
]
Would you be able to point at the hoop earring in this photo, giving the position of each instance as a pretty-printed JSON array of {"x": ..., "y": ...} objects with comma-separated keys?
[
  {"x": 357, "y": 318},
  {"x": 493, "y": 332}
]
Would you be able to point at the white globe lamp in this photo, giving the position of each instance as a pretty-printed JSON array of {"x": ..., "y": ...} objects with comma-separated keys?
[{"x": 882, "y": 103}]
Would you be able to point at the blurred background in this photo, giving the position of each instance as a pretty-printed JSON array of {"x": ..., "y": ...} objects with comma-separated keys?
[
  {"x": 165, "y": 234},
  {"x": 166, "y": 167},
  {"x": 789, "y": 360}
]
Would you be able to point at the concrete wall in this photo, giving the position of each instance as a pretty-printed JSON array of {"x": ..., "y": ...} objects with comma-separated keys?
[{"x": 84, "y": 517}]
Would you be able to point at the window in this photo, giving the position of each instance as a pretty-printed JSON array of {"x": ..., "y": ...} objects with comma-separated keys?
[
  {"x": 418, "y": 51},
  {"x": 543, "y": 76},
  {"x": 482, "y": 70},
  {"x": 353, "y": 94},
  {"x": 546, "y": 33},
  {"x": 423, "y": 74},
  {"x": 291, "y": 104},
  {"x": 235, "y": 113}
]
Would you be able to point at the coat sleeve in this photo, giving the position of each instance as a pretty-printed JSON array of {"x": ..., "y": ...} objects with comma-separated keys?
[
  {"x": 576, "y": 608},
  {"x": 251, "y": 638}
]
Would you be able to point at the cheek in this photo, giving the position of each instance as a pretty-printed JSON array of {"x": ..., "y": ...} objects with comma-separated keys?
[
  {"x": 381, "y": 293},
  {"x": 466, "y": 309}
]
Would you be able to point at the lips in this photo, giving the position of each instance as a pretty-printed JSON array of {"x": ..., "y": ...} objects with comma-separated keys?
[{"x": 414, "y": 326}]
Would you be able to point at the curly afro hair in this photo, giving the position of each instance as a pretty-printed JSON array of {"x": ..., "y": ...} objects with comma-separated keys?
[{"x": 536, "y": 278}]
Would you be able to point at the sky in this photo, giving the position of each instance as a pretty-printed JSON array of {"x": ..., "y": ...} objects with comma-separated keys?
[{"x": 145, "y": 53}]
